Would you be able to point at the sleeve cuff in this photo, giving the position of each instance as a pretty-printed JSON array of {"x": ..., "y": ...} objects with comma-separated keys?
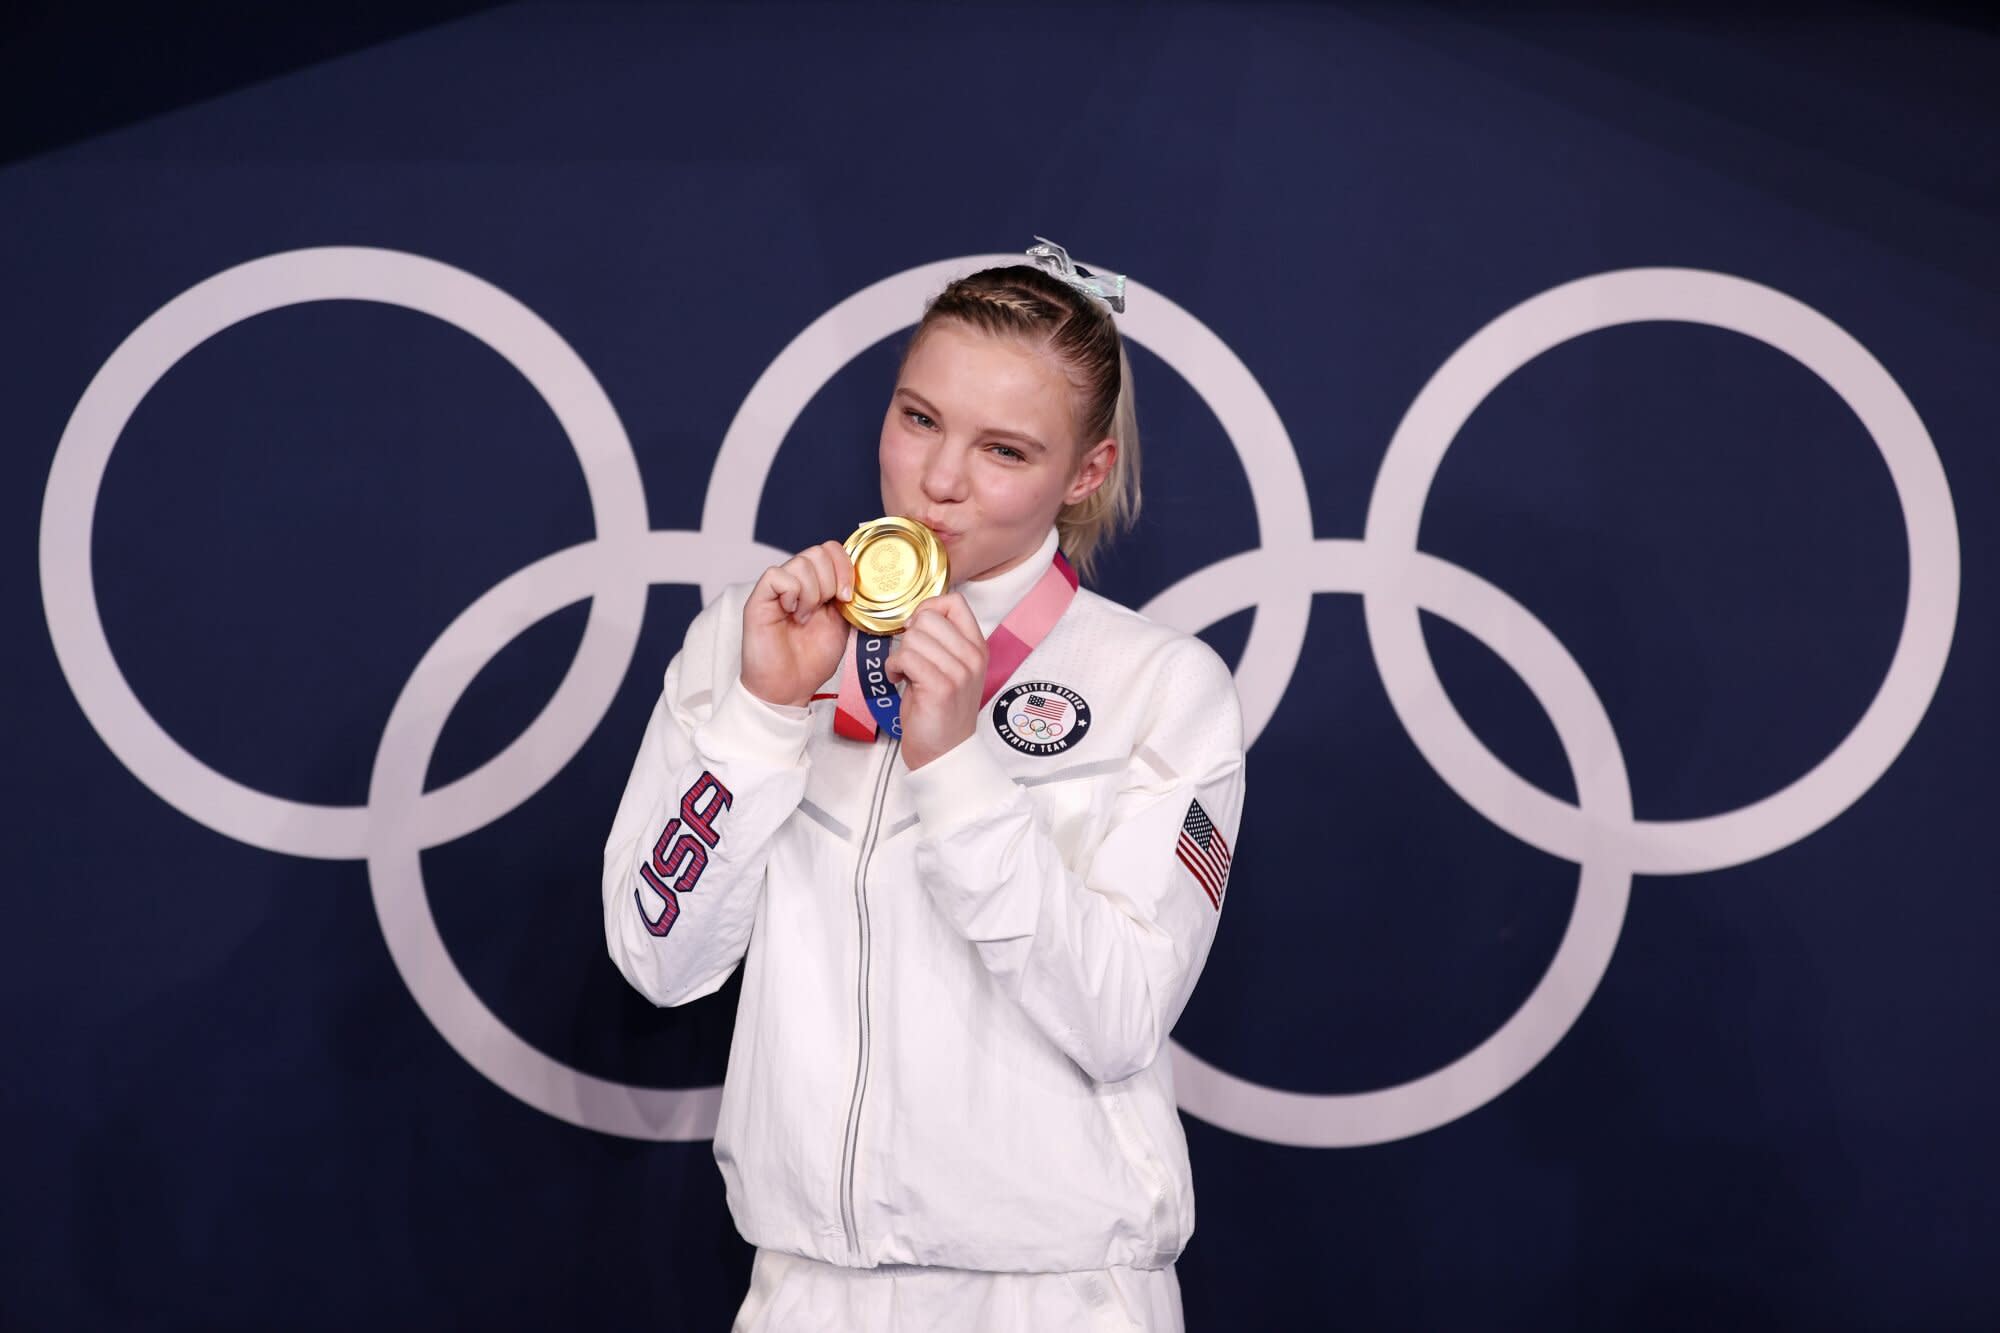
[
  {"x": 745, "y": 728},
  {"x": 958, "y": 787}
]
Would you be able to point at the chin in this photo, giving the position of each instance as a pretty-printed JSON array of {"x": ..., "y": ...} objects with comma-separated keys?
[{"x": 975, "y": 567}]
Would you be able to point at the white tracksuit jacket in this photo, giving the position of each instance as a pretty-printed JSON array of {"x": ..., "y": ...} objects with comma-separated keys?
[{"x": 951, "y": 1047}]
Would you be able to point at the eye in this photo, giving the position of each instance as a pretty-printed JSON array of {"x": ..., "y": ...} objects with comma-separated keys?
[
  {"x": 1009, "y": 452},
  {"x": 918, "y": 419}
]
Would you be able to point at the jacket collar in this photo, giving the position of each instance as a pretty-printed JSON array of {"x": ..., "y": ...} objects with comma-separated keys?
[{"x": 992, "y": 598}]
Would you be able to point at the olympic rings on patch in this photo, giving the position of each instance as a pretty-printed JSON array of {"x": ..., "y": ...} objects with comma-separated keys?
[{"x": 1040, "y": 728}]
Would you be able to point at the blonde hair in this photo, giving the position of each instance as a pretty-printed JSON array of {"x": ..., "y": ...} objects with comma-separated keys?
[{"x": 1027, "y": 302}]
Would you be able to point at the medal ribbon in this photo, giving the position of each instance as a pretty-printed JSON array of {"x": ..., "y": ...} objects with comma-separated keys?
[
  {"x": 868, "y": 703},
  {"x": 867, "y": 699}
]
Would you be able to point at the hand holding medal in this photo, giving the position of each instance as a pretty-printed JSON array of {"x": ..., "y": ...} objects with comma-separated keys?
[
  {"x": 941, "y": 664},
  {"x": 900, "y": 576},
  {"x": 792, "y": 633}
]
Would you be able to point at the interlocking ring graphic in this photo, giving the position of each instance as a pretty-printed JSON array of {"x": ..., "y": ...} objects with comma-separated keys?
[
  {"x": 1395, "y": 580},
  {"x": 1040, "y": 728}
]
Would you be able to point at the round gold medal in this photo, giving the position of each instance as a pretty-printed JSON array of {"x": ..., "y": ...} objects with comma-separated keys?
[{"x": 898, "y": 564}]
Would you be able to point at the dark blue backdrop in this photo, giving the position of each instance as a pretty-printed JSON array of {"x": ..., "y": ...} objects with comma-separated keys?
[{"x": 222, "y": 1106}]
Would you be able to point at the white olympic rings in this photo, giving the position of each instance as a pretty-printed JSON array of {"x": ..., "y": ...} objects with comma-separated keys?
[{"x": 1394, "y": 579}]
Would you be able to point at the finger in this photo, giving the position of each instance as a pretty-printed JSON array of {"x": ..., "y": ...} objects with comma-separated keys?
[
  {"x": 919, "y": 664},
  {"x": 843, "y": 569},
  {"x": 800, "y": 567},
  {"x": 953, "y": 607},
  {"x": 782, "y": 587},
  {"x": 949, "y": 643},
  {"x": 952, "y": 621},
  {"x": 825, "y": 572}
]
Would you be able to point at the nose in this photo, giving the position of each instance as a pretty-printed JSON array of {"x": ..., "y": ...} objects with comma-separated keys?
[{"x": 944, "y": 473}]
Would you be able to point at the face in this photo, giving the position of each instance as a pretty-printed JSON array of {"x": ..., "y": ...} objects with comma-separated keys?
[{"x": 980, "y": 445}]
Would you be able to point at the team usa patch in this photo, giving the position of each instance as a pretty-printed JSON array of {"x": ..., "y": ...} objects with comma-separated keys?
[
  {"x": 1041, "y": 718},
  {"x": 1205, "y": 854}
]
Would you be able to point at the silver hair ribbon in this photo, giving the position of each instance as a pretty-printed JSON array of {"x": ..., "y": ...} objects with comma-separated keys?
[{"x": 1106, "y": 287}]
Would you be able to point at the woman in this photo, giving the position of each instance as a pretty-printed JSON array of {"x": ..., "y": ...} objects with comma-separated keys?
[{"x": 949, "y": 1101}]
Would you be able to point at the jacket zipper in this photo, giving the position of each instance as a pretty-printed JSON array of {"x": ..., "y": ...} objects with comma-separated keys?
[{"x": 850, "y": 1144}]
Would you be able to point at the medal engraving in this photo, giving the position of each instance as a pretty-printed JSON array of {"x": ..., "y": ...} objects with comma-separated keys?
[
  {"x": 898, "y": 565},
  {"x": 887, "y": 570}
]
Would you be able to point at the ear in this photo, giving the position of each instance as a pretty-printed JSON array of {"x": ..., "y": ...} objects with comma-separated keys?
[{"x": 1093, "y": 471}]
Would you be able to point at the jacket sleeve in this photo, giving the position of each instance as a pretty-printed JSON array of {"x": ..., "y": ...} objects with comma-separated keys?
[
  {"x": 1102, "y": 954},
  {"x": 718, "y": 771}
]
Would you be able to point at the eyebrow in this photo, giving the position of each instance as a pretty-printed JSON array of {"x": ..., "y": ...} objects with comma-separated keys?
[{"x": 919, "y": 400}]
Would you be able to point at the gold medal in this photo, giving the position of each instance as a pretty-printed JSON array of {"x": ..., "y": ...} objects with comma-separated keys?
[{"x": 898, "y": 564}]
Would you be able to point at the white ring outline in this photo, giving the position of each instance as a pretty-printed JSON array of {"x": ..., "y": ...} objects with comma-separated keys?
[
  {"x": 1380, "y": 1115},
  {"x": 395, "y": 870},
  {"x": 1694, "y": 296},
  {"x": 69, "y": 513}
]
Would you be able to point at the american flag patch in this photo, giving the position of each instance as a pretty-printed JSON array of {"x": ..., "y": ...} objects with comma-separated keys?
[
  {"x": 1205, "y": 854},
  {"x": 1041, "y": 706}
]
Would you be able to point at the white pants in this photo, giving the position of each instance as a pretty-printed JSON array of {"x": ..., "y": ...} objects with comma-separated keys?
[{"x": 793, "y": 1295}]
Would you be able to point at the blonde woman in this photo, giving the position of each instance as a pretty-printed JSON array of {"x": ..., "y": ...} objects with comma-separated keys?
[{"x": 970, "y": 909}]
